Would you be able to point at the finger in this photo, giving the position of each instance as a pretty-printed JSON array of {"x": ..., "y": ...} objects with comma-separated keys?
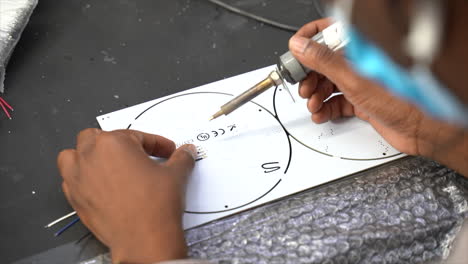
[
  {"x": 361, "y": 115},
  {"x": 67, "y": 162},
  {"x": 311, "y": 29},
  {"x": 370, "y": 97},
  {"x": 182, "y": 160},
  {"x": 65, "y": 189},
  {"x": 153, "y": 145},
  {"x": 78, "y": 208},
  {"x": 365, "y": 94},
  {"x": 69, "y": 196},
  {"x": 334, "y": 108},
  {"x": 308, "y": 86},
  {"x": 87, "y": 139},
  {"x": 324, "y": 90},
  {"x": 375, "y": 102},
  {"x": 321, "y": 59}
]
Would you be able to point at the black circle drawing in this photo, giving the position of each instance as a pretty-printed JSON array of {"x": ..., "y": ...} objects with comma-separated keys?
[
  {"x": 329, "y": 139},
  {"x": 271, "y": 160}
]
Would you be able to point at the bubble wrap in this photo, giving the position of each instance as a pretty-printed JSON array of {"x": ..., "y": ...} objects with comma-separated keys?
[
  {"x": 14, "y": 15},
  {"x": 409, "y": 211}
]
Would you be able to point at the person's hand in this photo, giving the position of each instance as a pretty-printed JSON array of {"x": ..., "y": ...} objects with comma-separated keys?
[
  {"x": 402, "y": 124},
  {"x": 132, "y": 203}
]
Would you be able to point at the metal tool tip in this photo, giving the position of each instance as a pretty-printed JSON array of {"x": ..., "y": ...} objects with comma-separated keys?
[{"x": 216, "y": 115}]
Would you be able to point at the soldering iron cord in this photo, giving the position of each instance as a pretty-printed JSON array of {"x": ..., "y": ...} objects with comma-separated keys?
[{"x": 254, "y": 16}]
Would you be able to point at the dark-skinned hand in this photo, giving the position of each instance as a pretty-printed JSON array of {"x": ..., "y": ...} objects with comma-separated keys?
[
  {"x": 402, "y": 124},
  {"x": 132, "y": 203}
]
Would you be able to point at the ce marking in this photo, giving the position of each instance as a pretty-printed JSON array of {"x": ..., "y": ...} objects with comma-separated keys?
[{"x": 216, "y": 133}]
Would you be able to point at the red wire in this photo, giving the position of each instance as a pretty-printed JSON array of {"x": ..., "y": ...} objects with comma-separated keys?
[
  {"x": 5, "y": 103},
  {"x": 4, "y": 109}
]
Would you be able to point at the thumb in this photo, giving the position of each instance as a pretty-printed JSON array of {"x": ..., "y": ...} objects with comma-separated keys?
[
  {"x": 182, "y": 161},
  {"x": 321, "y": 59},
  {"x": 359, "y": 91}
]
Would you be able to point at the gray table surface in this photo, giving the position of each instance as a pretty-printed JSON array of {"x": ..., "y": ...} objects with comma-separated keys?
[{"x": 80, "y": 58}]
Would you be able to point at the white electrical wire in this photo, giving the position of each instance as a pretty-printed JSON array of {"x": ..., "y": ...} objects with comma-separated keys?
[{"x": 60, "y": 219}]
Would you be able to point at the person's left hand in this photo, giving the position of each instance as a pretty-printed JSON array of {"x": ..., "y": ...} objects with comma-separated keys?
[{"x": 132, "y": 203}]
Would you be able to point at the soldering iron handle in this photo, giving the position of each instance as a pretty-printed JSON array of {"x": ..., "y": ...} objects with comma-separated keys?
[{"x": 293, "y": 71}]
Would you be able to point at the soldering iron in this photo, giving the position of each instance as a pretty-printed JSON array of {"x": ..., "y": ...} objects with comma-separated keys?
[{"x": 288, "y": 69}]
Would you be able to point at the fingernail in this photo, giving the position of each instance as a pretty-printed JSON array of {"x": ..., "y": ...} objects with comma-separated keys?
[
  {"x": 299, "y": 44},
  {"x": 192, "y": 150}
]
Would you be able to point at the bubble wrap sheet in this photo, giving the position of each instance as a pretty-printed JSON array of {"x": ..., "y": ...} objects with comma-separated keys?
[
  {"x": 409, "y": 211},
  {"x": 14, "y": 15}
]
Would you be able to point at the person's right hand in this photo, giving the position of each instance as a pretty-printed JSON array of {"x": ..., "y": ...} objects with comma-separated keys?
[{"x": 402, "y": 124}]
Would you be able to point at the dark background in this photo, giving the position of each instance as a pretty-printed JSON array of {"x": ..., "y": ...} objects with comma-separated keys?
[{"x": 79, "y": 59}]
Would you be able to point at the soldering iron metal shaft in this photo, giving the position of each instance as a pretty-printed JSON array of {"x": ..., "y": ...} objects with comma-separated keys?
[
  {"x": 289, "y": 69},
  {"x": 273, "y": 79}
]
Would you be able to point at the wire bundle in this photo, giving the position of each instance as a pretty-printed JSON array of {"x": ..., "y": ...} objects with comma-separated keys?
[{"x": 5, "y": 107}]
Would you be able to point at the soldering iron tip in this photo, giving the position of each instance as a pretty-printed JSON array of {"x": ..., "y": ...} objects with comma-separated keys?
[{"x": 218, "y": 114}]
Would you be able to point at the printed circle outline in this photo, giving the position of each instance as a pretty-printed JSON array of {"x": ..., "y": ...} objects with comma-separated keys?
[
  {"x": 316, "y": 150},
  {"x": 227, "y": 94}
]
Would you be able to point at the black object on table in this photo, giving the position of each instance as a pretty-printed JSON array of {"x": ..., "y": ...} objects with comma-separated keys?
[{"x": 81, "y": 58}]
